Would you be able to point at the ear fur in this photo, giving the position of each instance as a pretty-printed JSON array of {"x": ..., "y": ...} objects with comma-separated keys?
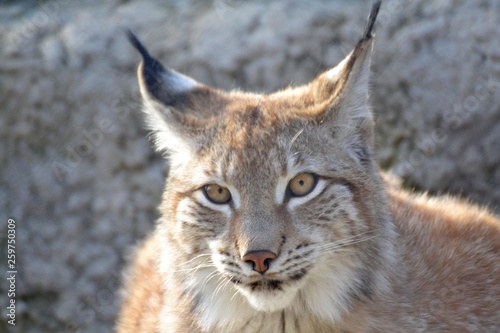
[
  {"x": 168, "y": 104},
  {"x": 157, "y": 82},
  {"x": 344, "y": 89},
  {"x": 172, "y": 101}
]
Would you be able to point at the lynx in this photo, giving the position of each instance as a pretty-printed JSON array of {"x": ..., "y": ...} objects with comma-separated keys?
[{"x": 275, "y": 218}]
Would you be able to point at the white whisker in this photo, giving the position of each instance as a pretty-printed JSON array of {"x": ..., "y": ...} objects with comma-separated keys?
[
  {"x": 209, "y": 277},
  {"x": 345, "y": 242},
  {"x": 222, "y": 283},
  {"x": 197, "y": 257},
  {"x": 196, "y": 268},
  {"x": 295, "y": 137}
]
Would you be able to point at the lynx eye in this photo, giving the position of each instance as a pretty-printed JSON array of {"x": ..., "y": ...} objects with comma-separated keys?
[
  {"x": 302, "y": 184},
  {"x": 217, "y": 194}
]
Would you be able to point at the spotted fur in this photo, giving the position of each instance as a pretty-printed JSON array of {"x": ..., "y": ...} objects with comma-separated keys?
[{"x": 356, "y": 254}]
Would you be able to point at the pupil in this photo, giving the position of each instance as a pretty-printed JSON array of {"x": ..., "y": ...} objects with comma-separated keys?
[
  {"x": 301, "y": 182},
  {"x": 219, "y": 190}
]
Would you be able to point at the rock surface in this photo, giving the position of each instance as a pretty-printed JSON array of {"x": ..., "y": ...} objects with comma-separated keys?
[{"x": 77, "y": 171}]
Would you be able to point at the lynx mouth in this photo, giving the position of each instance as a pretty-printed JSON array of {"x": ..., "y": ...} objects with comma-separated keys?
[
  {"x": 267, "y": 284},
  {"x": 260, "y": 285},
  {"x": 269, "y": 295}
]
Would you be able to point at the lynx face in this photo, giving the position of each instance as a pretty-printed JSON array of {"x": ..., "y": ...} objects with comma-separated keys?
[
  {"x": 271, "y": 200},
  {"x": 272, "y": 208}
]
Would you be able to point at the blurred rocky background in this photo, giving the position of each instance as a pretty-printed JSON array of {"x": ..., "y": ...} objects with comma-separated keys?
[{"x": 77, "y": 173}]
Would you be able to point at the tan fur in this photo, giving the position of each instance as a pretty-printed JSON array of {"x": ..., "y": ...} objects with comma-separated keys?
[
  {"x": 144, "y": 291},
  {"x": 357, "y": 254}
]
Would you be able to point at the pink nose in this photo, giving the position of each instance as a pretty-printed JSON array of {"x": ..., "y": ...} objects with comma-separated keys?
[{"x": 260, "y": 260}]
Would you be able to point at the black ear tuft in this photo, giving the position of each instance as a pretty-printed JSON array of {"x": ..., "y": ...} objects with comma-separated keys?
[
  {"x": 152, "y": 69},
  {"x": 149, "y": 62},
  {"x": 371, "y": 20},
  {"x": 367, "y": 37},
  {"x": 132, "y": 38},
  {"x": 162, "y": 84}
]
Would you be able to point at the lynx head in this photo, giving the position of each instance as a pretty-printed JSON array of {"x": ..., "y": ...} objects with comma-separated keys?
[{"x": 274, "y": 200}]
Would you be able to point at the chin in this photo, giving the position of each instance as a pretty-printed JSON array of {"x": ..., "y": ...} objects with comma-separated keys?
[{"x": 269, "y": 296}]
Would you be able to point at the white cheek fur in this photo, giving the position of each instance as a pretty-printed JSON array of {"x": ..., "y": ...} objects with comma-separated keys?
[
  {"x": 235, "y": 197},
  {"x": 281, "y": 190}
]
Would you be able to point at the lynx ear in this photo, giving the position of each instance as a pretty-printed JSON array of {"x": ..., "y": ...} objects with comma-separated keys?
[
  {"x": 342, "y": 92},
  {"x": 170, "y": 104}
]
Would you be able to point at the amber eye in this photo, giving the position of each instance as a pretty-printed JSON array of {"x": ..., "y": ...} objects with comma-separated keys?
[
  {"x": 302, "y": 184},
  {"x": 217, "y": 194}
]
